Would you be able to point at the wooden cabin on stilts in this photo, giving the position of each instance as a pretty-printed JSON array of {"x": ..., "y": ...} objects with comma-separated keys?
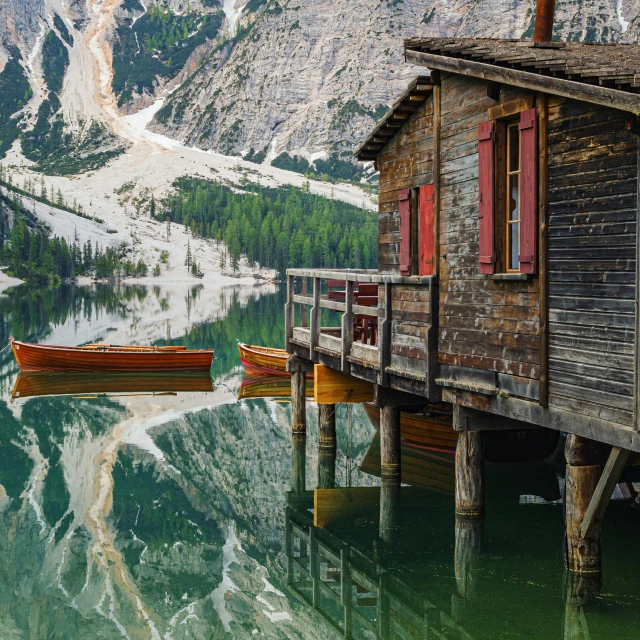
[{"x": 507, "y": 282}]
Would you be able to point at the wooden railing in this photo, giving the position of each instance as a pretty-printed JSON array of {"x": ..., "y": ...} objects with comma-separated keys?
[{"x": 377, "y": 356}]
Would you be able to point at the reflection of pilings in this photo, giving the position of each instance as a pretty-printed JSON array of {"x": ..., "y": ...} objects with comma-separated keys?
[
  {"x": 298, "y": 462},
  {"x": 467, "y": 549},
  {"x": 298, "y": 403},
  {"x": 346, "y": 592},
  {"x": 390, "y": 442},
  {"x": 469, "y": 475},
  {"x": 389, "y": 509},
  {"x": 327, "y": 469},
  {"x": 579, "y": 590},
  {"x": 582, "y": 475},
  {"x": 327, "y": 426}
]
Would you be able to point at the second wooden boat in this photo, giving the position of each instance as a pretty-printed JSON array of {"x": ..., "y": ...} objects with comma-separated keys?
[
  {"x": 264, "y": 360},
  {"x": 103, "y": 357}
]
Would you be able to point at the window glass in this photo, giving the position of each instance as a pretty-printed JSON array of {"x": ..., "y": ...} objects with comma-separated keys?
[{"x": 513, "y": 196}]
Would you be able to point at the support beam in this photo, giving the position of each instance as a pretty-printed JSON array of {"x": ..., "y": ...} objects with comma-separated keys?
[
  {"x": 602, "y": 495},
  {"x": 327, "y": 426},
  {"x": 469, "y": 475},
  {"x": 390, "y": 443},
  {"x": 386, "y": 397},
  {"x": 331, "y": 386}
]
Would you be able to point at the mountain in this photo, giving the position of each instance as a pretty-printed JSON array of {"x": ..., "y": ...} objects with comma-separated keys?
[{"x": 258, "y": 79}]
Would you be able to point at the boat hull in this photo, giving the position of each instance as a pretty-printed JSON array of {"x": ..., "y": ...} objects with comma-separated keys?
[
  {"x": 33, "y": 357},
  {"x": 264, "y": 360}
]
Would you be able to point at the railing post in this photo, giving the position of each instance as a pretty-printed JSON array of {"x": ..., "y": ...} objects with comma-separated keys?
[
  {"x": 289, "y": 313},
  {"x": 315, "y": 320},
  {"x": 347, "y": 327},
  {"x": 384, "y": 336}
]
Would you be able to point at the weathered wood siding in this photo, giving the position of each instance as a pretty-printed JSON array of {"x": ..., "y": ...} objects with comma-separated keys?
[
  {"x": 484, "y": 324},
  {"x": 592, "y": 238},
  {"x": 405, "y": 162}
]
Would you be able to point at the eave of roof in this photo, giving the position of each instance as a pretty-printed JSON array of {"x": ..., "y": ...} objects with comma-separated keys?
[
  {"x": 408, "y": 103},
  {"x": 603, "y": 74}
]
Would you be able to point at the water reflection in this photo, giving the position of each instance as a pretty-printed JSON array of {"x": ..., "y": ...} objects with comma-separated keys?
[{"x": 129, "y": 514}]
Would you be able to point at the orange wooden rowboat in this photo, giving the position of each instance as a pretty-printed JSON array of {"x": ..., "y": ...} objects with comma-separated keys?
[
  {"x": 104, "y": 357},
  {"x": 264, "y": 360}
]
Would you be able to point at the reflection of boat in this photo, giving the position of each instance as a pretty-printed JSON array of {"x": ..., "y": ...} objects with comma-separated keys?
[
  {"x": 55, "y": 383},
  {"x": 264, "y": 360},
  {"x": 269, "y": 387},
  {"x": 104, "y": 357},
  {"x": 430, "y": 430}
]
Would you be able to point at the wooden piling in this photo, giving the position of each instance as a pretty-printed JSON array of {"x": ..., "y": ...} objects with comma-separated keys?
[
  {"x": 298, "y": 403},
  {"x": 580, "y": 589},
  {"x": 327, "y": 426},
  {"x": 469, "y": 475},
  {"x": 390, "y": 442},
  {"x": 468, "y": 539},
  {"x": 583, "y": 471}
]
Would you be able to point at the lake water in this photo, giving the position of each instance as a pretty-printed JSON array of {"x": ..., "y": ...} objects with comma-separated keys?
[{"x": 128, "y": 512}]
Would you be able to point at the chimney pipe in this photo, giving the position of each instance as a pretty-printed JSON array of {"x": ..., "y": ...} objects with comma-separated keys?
[{"x": 544, "y": 21}]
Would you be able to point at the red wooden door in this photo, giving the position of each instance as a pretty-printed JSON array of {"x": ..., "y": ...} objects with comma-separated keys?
[{"x": 426, "y": 230}]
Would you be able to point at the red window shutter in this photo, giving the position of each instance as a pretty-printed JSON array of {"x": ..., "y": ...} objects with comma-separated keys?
[
  {"x": 427, "y": 230},
  {"x": 486, "y": 189},
  {"x": 528, "y": 190},
  {"x": 404, "y": 196}
]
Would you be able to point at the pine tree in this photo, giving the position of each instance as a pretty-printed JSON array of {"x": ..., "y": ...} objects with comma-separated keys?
[
  {"x": 168, "y": 228},
  {"x": 188, "y": 257}
]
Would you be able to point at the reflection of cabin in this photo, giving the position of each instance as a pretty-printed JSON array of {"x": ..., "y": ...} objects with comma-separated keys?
[{"x": 507, "y": 274}]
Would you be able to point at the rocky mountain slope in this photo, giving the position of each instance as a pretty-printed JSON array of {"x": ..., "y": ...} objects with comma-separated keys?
[{"x": 260, "y": 78}]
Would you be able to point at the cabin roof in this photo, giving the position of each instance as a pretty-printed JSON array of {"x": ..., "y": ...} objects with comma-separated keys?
[
  {"x": 402, "y": 109},
  {"x": 606, "y": 74}
]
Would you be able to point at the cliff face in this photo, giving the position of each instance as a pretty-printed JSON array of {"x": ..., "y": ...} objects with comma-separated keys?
[
  {"x": 310, "y": 77},
  {"x": 257, "y": 78}
]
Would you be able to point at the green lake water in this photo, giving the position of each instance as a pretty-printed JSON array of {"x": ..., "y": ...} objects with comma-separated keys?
[{"x": 132, "y": 514}]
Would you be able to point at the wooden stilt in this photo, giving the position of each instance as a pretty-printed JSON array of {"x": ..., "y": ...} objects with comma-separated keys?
[
  {"x": 298, "y": 462},
  {"x": 583, "y": 554},
  {"x": 390, "y": 442},
  {"x": 327, "y": 426},
  {"x": 298, "y": 403},
  {"x": 469, "y": 475},
  {"x": 583, "y": 473}
]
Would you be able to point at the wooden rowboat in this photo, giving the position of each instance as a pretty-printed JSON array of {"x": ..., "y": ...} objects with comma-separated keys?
[
  {"x": 264, "y": 360},
  {"x": 33, "y": 384},
  {"x": 104, "y": 357}
]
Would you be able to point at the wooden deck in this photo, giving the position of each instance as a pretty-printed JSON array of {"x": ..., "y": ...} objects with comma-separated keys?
[{"x": 404, "y": 357}]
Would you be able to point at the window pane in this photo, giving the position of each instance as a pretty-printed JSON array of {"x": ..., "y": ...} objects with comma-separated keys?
[
  {"x": 513, "y": 245},
  {"x": 514, "y": 200},
  {"x": 514, "y": 148}
]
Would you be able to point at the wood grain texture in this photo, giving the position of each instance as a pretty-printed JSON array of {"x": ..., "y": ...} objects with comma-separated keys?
[
  {"x": 469, "y": 475},
  {"x": 592, "y": 202}
]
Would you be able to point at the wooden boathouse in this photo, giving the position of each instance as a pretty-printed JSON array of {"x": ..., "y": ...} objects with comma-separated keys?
[{"x": 507, "y": 282}]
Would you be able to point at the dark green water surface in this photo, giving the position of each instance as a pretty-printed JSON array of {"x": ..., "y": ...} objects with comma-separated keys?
[{"x": 137, "y": 515}]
